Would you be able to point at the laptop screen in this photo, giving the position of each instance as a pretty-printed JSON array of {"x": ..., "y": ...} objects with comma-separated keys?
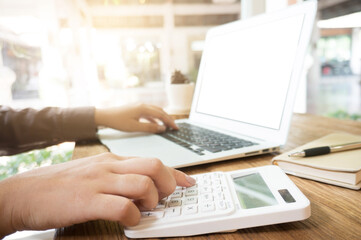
[{"x": 247, "y": 72}]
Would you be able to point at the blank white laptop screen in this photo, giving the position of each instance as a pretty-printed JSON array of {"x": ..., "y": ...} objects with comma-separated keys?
[{"x": 252, "y": 72}]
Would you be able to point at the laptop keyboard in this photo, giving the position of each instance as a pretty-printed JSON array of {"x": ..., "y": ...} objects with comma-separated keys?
[{"x": 199, "y": 139}]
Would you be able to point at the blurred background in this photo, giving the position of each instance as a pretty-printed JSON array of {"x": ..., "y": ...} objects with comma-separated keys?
[
  {"x": 112, "y": 52},
  {"x": 106, "y": 53}
]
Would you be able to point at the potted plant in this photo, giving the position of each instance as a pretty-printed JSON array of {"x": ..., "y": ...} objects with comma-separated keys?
[{"x": 180, "y": 94}]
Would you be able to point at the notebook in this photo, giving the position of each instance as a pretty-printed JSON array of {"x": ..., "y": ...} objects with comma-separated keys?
[
  {"x": 339, "y": 168},
  {"x": 245, "y": 89}
]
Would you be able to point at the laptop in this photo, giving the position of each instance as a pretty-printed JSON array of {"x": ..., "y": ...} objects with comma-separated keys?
[{"x": 244, "y": 94}]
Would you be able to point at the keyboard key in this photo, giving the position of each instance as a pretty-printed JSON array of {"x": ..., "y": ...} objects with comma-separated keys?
[
  {"x": 198, "y": 139},
  {"x": 213, "y": 149}
]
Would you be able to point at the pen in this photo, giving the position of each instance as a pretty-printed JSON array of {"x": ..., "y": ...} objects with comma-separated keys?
[{"x": 325, "y": 150}]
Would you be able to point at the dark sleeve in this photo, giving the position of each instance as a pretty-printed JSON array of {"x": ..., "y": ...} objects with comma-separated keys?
[{"x": 26, "y": 129}]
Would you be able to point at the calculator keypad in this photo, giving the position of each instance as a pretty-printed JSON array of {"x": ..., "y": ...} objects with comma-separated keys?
[{"x": 209, "y": 197}]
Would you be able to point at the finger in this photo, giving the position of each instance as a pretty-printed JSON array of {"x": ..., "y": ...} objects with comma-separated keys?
[
  {"x": 158, "y": 128},
  {"x": 114, "y": 208},
  {"x": 152, "y": 111},
  {"x": 108, "y": 157},
  {"x": 155, "y": 107},
  {"x": 151, "y": 120},
  {"x": 134, "y": 186},
  {"x": 171, "y": 123},
  {"x": 182, "y": 179},
  {"x": 162, "y": 177},
  {"x": 149, "y": 127}
]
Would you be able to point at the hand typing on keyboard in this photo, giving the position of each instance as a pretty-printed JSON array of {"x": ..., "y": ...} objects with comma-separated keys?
[{"x": 201, "y": 141}]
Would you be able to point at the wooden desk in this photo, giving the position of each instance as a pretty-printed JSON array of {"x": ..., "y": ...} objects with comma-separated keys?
[{"x": 336, "y": 211}]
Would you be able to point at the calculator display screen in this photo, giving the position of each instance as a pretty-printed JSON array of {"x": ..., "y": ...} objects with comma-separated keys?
[{"x": 252, "y": 191}]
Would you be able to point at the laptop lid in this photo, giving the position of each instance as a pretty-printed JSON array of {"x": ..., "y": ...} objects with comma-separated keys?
[{"x": 250, "y": 71}]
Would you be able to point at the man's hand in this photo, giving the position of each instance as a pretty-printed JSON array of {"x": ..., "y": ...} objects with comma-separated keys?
[
  {"x": 128, "y": 118},
  {"x": 105, "y": 187}
]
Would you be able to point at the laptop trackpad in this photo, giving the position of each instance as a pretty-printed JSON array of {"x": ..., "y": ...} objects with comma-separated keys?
[{"x": 147, "y": 145}]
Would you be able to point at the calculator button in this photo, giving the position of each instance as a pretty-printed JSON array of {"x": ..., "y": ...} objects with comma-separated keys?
[
  {"x": 161, "y": 204},
  {"x": 206, "y": 182},
  {"x": 218, "y": 188},
  {"x": 206, "y": 197},
  {"x": 177, "y": 194},
  {"x": 151, "y": 215},
  {"x": 190, "y": 200},
  {"x": 221, "y": 204},
  {"x": 191, "y": 209},
  {"x": 218, "y": 195},
  {"x": 191, "y": 192},
  {"x": 193, "y": 187},
  {"x": 172, "y": 212},
  {"x": 216, "y": 182},
  {"x": 179, "y": 188},
  {"x": 206, "y": 189},
  {"x": 207, "y": 207},
  {"x": 175, "y": 203},
  {"x": 206, "y": 177}
]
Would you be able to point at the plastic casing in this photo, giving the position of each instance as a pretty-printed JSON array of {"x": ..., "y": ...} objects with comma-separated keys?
[{"x": 239, "y": 218}]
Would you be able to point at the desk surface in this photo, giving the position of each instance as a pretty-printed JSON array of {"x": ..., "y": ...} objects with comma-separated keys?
[{"x": 336, "y": 211}]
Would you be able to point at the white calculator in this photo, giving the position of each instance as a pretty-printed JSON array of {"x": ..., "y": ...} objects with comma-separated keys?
[{"x": 225, "y": 201}]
